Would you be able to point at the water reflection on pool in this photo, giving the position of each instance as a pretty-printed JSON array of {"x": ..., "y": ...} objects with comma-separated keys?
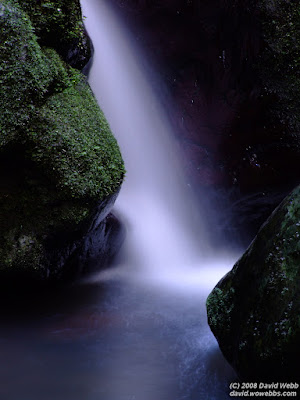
[{"x": 112, "y": 340}]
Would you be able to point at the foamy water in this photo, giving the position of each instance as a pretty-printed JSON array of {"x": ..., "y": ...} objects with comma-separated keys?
[
  {"x": 166, "y": 264},
  {"x": 165, "y": 232},
  {"x": 137, "y": 331}
]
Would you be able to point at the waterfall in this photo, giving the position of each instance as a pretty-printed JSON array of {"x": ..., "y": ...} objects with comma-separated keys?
[
  {"x": 165, "y": 239},
  {"x": 166, "y": 264},
  {"x": 138, "y": 330}
]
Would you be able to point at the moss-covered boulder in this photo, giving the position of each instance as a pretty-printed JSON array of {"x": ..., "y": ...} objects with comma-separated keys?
[
  {"x": 60, "y": 164},
  {"x": 58, "y": 24},
  {"x": 254, "y": 311}
]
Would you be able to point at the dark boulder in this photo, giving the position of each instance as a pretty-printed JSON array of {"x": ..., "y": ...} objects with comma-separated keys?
[
  {"x": 254, "y": 311},
  {"x": 61, "y": 167}
]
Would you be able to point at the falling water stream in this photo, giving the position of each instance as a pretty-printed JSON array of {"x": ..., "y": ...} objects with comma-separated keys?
[
  {"x": 166, "y": 257},
  {"x": 137, "y": 331}
]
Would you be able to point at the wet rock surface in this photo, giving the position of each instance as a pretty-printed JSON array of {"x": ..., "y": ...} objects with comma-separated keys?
[{"x": 254, "y": 310}]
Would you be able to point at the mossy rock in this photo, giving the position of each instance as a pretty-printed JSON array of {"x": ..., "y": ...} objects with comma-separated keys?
[
  {"x": 59, "y": 24},
  {"x": 60, "y": 163},
  {"x": 254, "y": 311},
  {"x": 71, "y": 140},
  {"x": 25, "y": 73}
]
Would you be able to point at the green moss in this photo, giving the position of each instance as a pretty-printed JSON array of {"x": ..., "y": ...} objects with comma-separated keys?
[
  {"x": 46, "y": 103},
  {"x": 259, "y": 325},
  {"x": 73, "y": 142},
  {"x": 57, "y": 23},
  {"x": 25, "y": 73},
  {"x": 62, "y": 76},
  {"x": 22, "y": 252},
  {"x": 35, "y": 212},
  {"x": 58, "y": 157},
  {"x": 220, "y": 304}
]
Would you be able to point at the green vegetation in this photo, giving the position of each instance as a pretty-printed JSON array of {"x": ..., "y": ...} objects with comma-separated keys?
[
  {"x": 220, "y": 301},
  {"x": 58, "y": 24},
  {"x": 58, "y": 157},
  {"x": 61, "y": 16},
  {"x": 65, "y": 134},
  {"x": 32, "y": 215},
  {"x": 258, "y": 330},
  {"x": 25, "y": 73}
]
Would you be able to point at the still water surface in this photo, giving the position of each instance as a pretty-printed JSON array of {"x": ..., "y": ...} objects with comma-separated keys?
[{"x": 115, "y": 340}]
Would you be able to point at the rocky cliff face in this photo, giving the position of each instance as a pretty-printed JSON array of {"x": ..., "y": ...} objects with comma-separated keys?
[
  {"x": 254, "y": 310},
  {"x": 60, "y": 164}
]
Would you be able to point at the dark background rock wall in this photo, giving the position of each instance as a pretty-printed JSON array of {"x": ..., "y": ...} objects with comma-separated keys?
[{"x": 207, "y": 53}]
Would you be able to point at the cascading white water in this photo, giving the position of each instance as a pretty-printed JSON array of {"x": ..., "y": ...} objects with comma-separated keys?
[
  {"x": 165, "y": 239},
  {"x": 139, "y": 331},
  {"x": 166, "y": 268}
]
